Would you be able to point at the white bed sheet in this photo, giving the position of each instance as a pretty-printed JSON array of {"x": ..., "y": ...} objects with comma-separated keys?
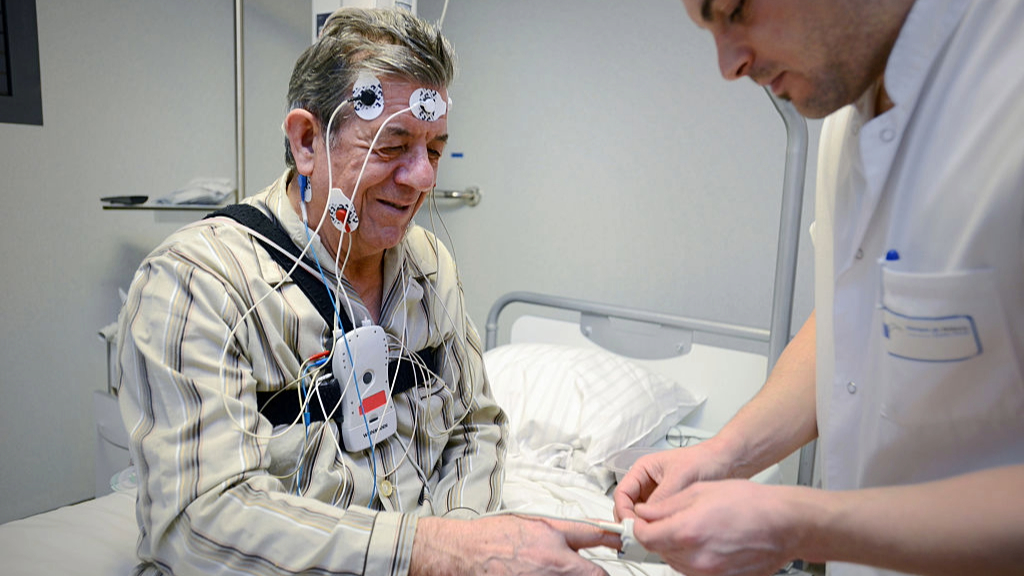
[
  {"x": 564, "y": 494},
  {"x": 538, "y": 482},
  {"x": 96, "y": 537}
]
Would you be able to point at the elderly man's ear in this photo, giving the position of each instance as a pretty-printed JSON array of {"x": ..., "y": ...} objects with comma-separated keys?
[{"x": 302, "y": 131}]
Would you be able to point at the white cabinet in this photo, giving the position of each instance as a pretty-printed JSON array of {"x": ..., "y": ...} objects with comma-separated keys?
[{"x": 111, "y": 440}]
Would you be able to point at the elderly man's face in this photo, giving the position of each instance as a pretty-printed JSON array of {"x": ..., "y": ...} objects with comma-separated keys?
[{"x": 401, "y": 167}]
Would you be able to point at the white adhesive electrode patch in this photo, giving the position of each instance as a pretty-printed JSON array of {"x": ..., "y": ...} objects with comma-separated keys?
[
  {"x": 427, "y": 105},
  {"x": 368, "y": 96},
  {"x": 343, "y": 213}
]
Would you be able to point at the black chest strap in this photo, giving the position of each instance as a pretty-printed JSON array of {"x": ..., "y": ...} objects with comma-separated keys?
[
  {"x": 314, "y": 289},
  {"x": 285, "y": 407}
]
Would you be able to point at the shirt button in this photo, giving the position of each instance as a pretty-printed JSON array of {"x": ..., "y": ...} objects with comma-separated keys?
[
  {"x": 860, "y": 254},
  {"x": 851, "y": 387},
  {"x": 385, "y": 488},
  {"x": 888, "y": 134}
]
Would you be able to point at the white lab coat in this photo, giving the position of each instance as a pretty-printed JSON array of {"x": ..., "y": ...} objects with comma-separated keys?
[{"x": 920, "y": 357}]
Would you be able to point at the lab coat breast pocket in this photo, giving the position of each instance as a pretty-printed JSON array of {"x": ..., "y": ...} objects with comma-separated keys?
[{"x": 947, "y": 354}]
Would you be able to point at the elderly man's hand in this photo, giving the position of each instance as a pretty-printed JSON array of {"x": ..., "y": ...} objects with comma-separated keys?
[{"x": 506, "y": 544}]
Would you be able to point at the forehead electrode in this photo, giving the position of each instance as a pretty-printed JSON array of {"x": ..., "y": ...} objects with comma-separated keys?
[
  {"x": 368, "y": 100},
  {"x": 427, "y": 105},
  {"x": 368, "y": 96}
]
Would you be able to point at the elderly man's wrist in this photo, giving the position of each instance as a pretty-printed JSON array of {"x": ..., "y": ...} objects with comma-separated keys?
[{"x": 435, "y": 548}]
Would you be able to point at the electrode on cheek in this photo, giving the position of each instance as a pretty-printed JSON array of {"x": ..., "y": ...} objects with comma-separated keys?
[{"x": 342, "y": 211}]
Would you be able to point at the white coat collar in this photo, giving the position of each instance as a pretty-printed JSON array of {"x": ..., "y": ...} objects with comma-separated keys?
[{"x": 922, "y": 39}]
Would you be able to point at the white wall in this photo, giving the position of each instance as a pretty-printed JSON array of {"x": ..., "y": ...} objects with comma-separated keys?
[
  {"x": 615, "y": 162},
  {"x": 138, "y": 98},
  {"x": 616, "y": 165}
]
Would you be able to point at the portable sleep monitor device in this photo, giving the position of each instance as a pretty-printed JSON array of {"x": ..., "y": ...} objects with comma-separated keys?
[{"x": 363, "y": 377}]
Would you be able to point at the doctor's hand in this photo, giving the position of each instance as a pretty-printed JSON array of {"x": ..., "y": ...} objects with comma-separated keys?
[
  {"x": 663, "y": 474},
  {"x": 506, "y": 545},
  {"x": 735, "y": 527}
]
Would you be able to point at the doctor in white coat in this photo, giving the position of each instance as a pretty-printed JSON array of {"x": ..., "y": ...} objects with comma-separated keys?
[{"x": 910, "y": 370}]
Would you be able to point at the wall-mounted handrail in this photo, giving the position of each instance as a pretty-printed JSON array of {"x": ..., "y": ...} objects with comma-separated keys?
[{"x": 470, "y": 195}]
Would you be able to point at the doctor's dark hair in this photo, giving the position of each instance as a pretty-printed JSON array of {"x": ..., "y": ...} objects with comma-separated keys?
[{"x": 388, "y": 43}]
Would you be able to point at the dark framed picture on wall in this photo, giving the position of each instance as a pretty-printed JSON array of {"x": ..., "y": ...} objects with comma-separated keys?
[{"x": 21, "y": 100}]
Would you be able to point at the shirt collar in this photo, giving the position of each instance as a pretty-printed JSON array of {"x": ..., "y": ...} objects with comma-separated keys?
[{"x": 924, "y": 34}]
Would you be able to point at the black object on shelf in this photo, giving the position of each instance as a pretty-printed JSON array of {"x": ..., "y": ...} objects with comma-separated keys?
[{"x": 124, "y": 200}]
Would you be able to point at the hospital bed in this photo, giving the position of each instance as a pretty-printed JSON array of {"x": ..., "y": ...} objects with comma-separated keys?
[{"x": 589, "y": 387}]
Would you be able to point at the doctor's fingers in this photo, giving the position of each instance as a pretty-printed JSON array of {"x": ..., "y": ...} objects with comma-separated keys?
[
  {"x": 717, "y": 556},
  {"x": 720, "y": 527},
  {"x": 707, "y": 562},
  {"x": 703, "y": 506},
  {"x": 675, "y": 468},
  {"x": 711, "y": 498},
  {"x": 663, "y": 474},
  {"x": 657, "y": 509},
  {"x": 636, "y": 486},
  {"x": 627, "y": 495},
  {"x": 681, "y": 544}
]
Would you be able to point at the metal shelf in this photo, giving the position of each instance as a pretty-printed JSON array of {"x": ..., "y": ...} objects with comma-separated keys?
[
  {"x": 152, "y": 206},
  {"x": 239, "y": 9}
]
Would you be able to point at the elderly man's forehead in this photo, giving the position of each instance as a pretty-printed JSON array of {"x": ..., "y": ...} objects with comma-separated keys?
[{"x": 373, "y": 95}]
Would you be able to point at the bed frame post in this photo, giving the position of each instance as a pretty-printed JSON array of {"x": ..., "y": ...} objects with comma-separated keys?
[{"x": 786, "y": 257}]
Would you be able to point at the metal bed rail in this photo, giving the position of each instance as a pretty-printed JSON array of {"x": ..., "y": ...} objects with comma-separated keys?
[
  {"x": 786, "y": 257},
  {"x": 592, "y": 314}
]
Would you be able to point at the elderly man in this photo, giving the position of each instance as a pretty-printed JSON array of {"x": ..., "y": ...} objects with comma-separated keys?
[{"x": 303, "y": 388}]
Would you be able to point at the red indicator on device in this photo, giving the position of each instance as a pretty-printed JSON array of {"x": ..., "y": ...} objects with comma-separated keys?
[{"x": 373, "y": 402}]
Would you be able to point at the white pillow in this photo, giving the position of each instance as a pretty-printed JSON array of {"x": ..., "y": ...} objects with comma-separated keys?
[{"x": 595, "y": 402}]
